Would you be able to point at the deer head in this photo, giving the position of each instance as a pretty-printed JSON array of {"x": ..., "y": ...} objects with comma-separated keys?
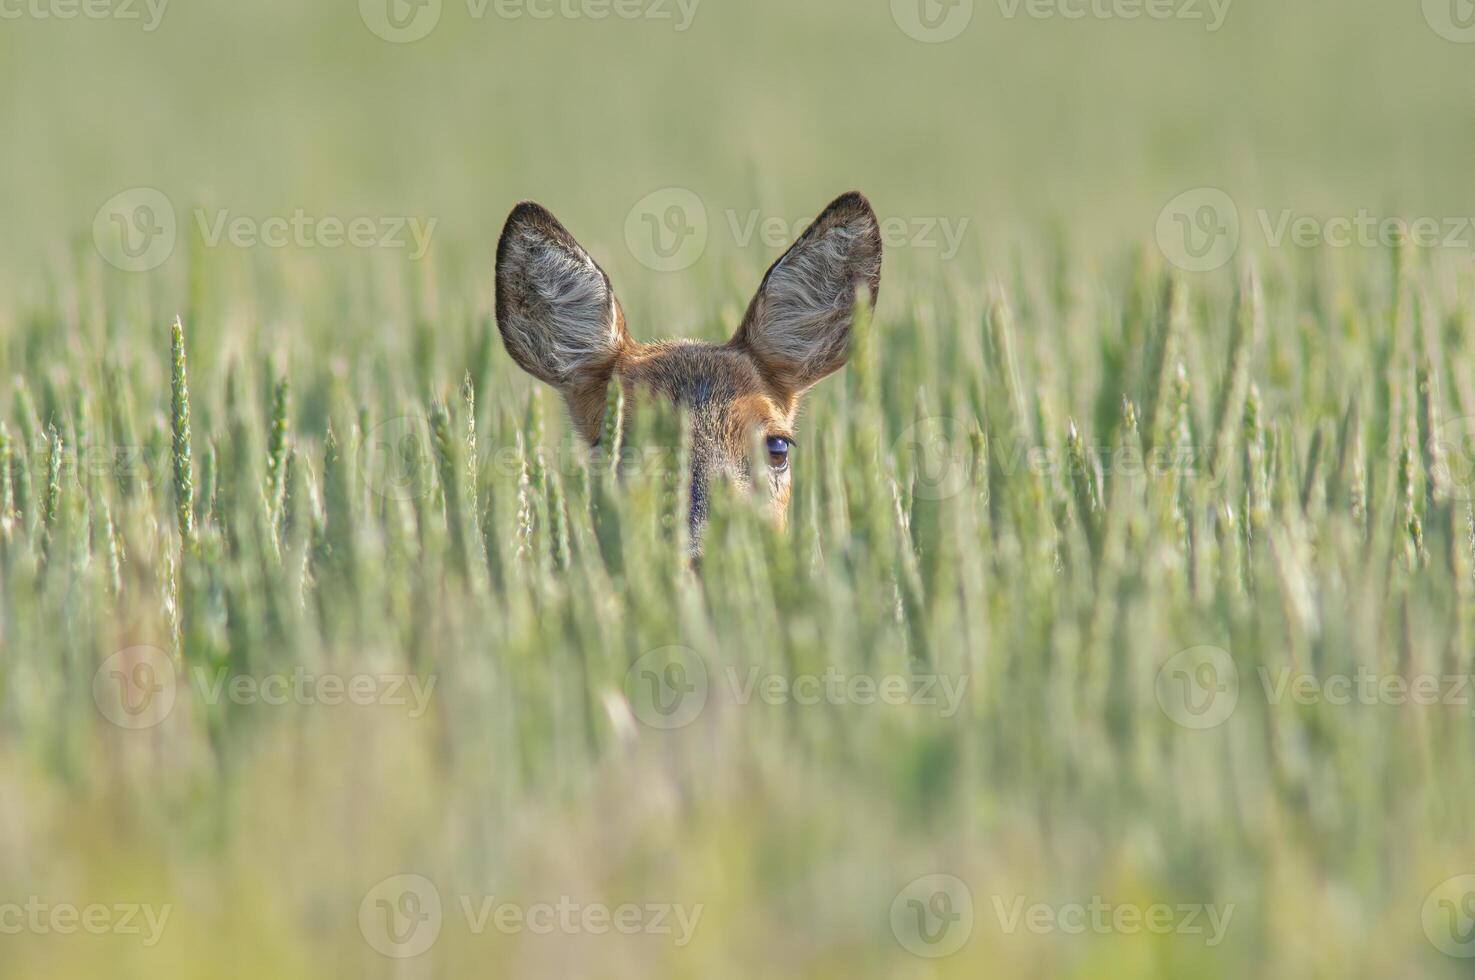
[{"x": 561, "y": 322}]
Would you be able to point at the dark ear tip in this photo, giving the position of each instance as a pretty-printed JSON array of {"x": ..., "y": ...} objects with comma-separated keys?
[
  {"x": 525, "y": 213},
  {"x": 531, "y": 215},
  {"x": 855, "y": 211},
  {"x": 528, "y": 213},
  {"x": 852, "y": 205}
]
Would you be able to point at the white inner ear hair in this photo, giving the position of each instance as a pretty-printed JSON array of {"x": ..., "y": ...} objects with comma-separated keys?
[
  {"x": 581, "y": 310},
  {"x": 811, "y": 295}
]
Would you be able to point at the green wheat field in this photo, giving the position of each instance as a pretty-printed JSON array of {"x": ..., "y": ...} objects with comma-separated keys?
[{"x": 1124, "y": 625}]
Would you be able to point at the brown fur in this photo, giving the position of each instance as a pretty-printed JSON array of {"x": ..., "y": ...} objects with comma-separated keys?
[{"x": 796, "y": 331}]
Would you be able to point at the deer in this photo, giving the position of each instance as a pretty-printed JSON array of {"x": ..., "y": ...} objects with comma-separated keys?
[{"x": 561, "y": 322}]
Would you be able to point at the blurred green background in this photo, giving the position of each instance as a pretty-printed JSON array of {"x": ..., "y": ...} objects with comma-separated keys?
[{"x": 1021, "y": 125}]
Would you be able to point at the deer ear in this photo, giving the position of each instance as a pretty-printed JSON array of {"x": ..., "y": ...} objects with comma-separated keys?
[
  {"x": 558, "y": 315},
  {"x": 798, "y": 325}
]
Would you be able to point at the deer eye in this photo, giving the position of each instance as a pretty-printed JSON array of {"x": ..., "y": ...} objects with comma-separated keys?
[{"x": 778, "y": 452}]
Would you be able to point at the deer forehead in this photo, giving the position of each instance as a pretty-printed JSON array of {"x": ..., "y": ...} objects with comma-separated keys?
[{"x": 722, "y": 388}]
